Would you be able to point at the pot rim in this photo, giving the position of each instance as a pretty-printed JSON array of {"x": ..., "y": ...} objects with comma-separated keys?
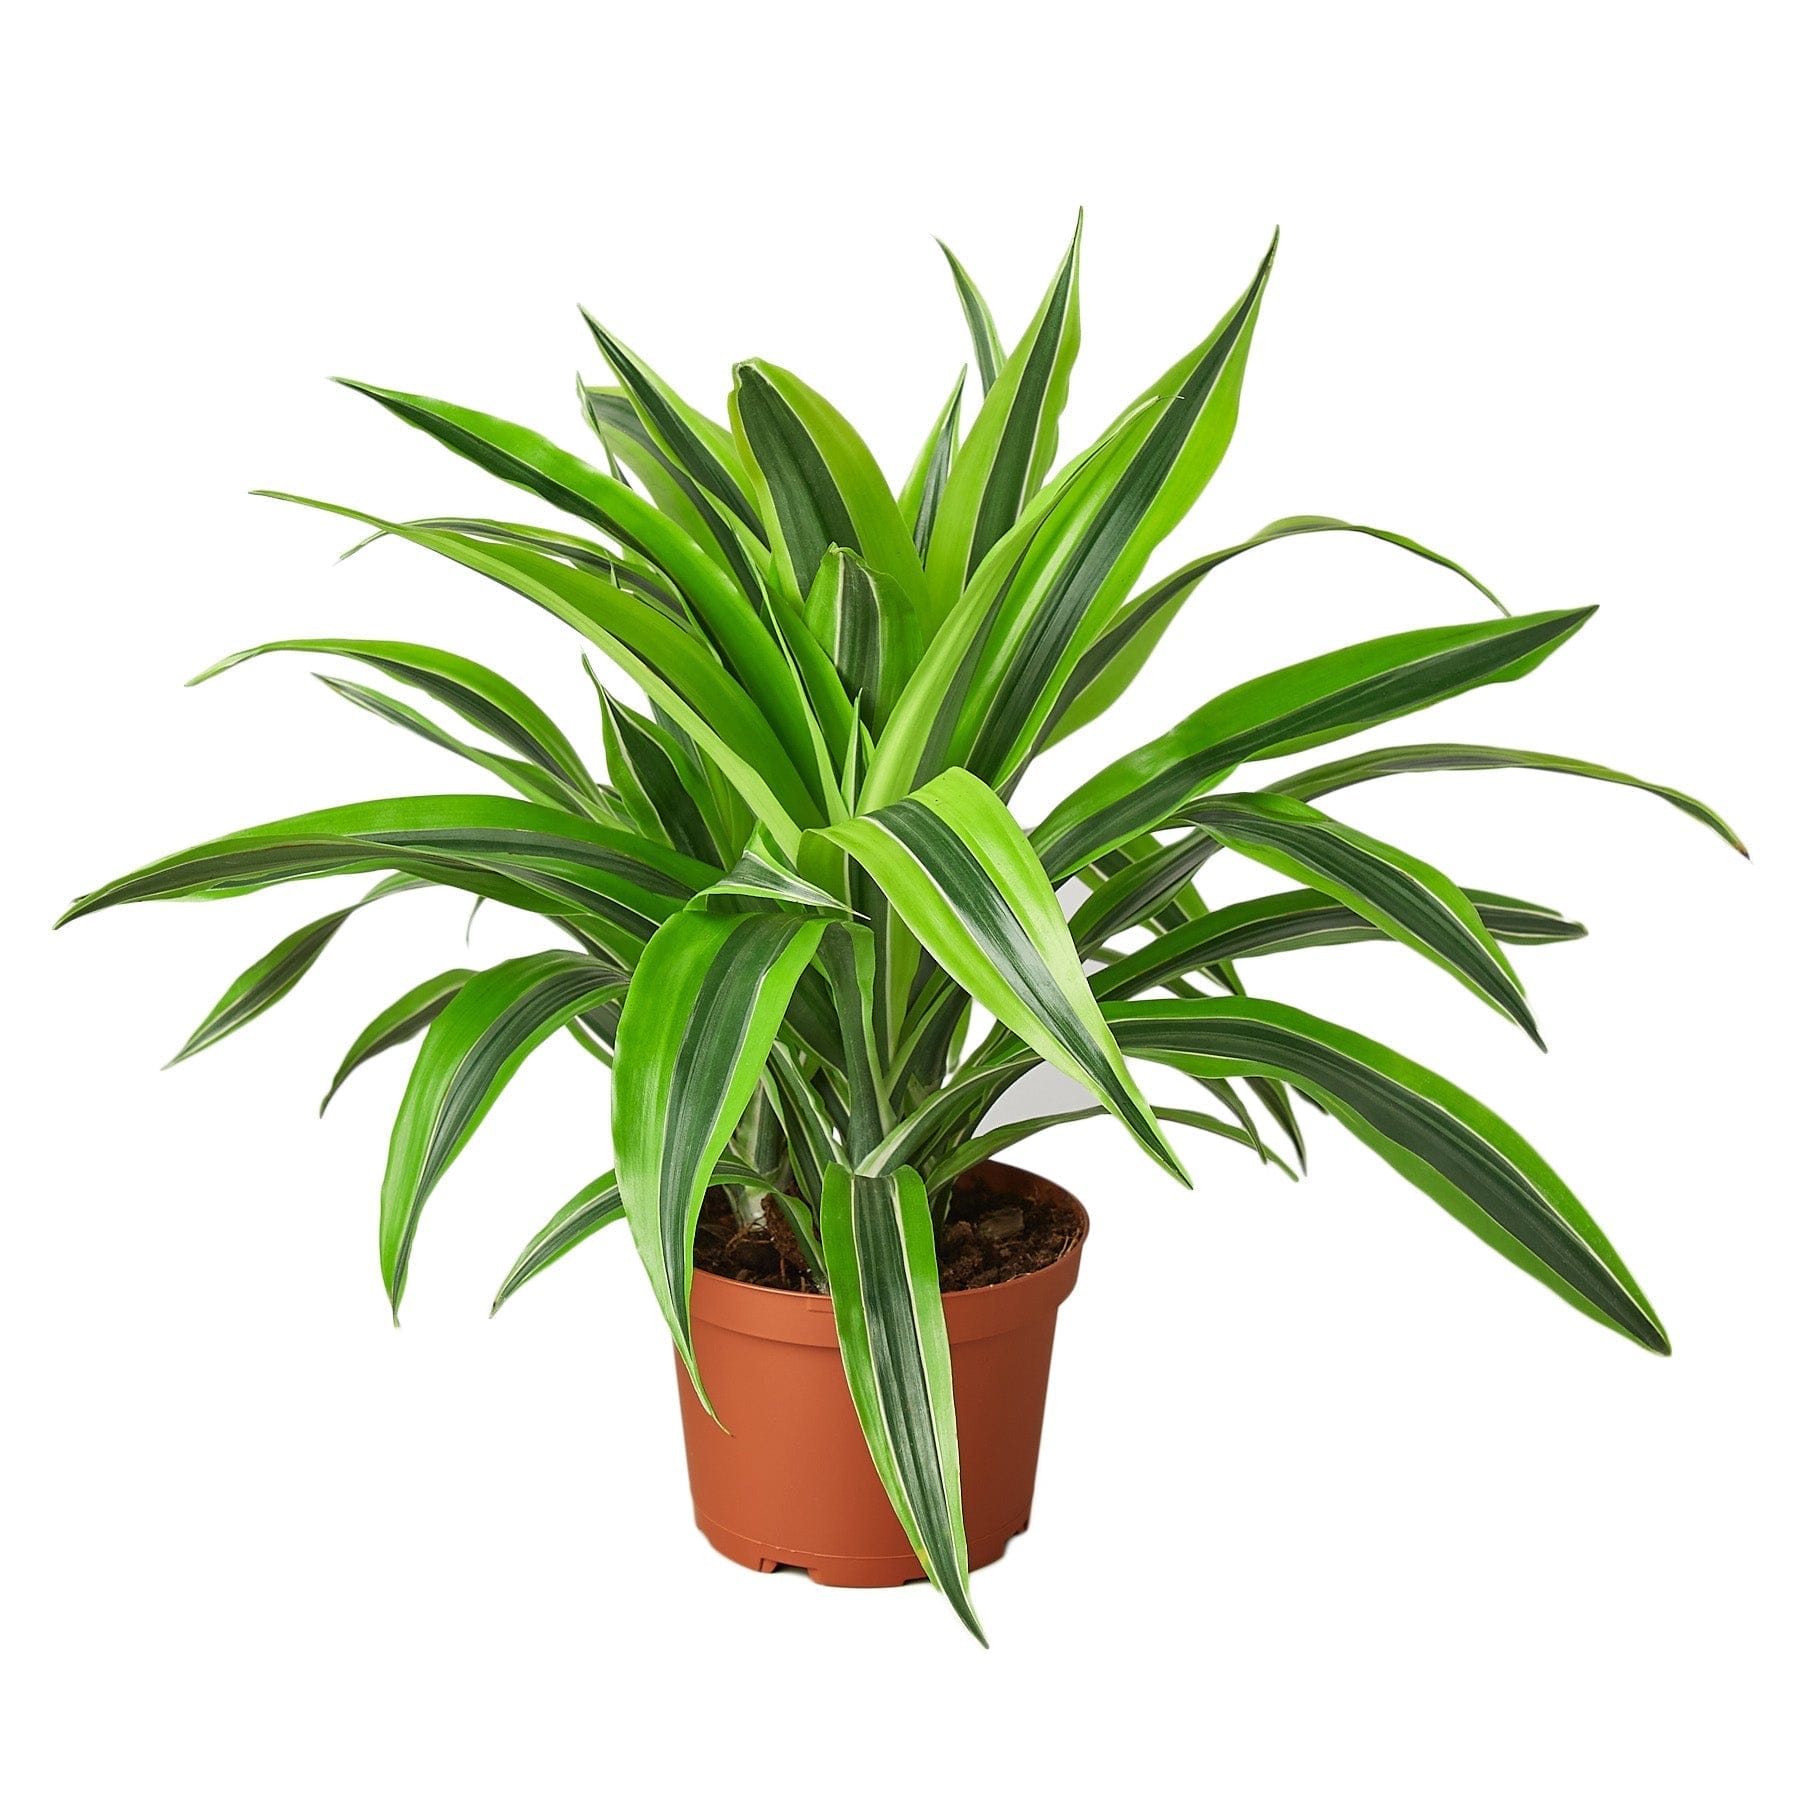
[{"x": 795, "y": 1318}]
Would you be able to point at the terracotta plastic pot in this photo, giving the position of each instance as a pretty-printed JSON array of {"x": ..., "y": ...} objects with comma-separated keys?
[{"x": 790, "y": 1483}]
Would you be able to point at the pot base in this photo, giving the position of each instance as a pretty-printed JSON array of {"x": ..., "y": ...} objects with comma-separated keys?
[{"x": 845, "y": 1571}]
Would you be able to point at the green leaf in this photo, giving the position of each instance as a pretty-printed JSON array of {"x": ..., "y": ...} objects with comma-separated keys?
[
  {"x": 527, "y": 855},
  {"x": 1110, "y": 664},
  {"x": 848, "y": 954},
  {"x": 1150, "y": 879},
  {"x": 1296, "y": 920},
  {"x": 619, "y": 568},
  {"x": 662, "y": 789},
  {"x": 1442, "y": 1140},
  {"x": 1292, "y": 709},
  {"x": 698, "y": 446},
  {"x": 677, "y": 670},
  {"x": 923, "y": 490},
  {"x": 817, "y": 484},
  {"x": 272, "y": 977},
  {"x": 471, "y": 1051},
  {"x": 1002, "y": 1137},
  {"x": 807, "y": 1124},
  {"x": 960, "y": 872},
  {"x": 1012, "y": 443},
  {"x": 758, "y": 876},
  {"x": 523, "y": 778},
  {"x": 990, "y": 353},
  {"x": 534, "y": 463},
  {"x": 398, "y": 1023},
  {"x": 596, "y": 1205},
  {"x": 882, "y": 1263},
  {"x": 487, "y": 701},
  {"x": 628, "y": 441},
  {"x": 1408, "y": 899},
  {"x": 867, "y": 626},
  {"x": 917, "y": 742},
  {"x": 530, "y": 461},
  {"x": 1097, "y": 543},
  {"x": 703, "y": 1009},
  {"x": 1398, "y": 759}
]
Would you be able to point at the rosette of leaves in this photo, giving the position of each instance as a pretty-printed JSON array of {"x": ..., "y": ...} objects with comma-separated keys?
[{"x": 775, "y": 887}]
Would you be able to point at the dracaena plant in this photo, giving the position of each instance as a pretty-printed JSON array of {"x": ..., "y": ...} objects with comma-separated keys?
[{"x": 782, "y": 888}]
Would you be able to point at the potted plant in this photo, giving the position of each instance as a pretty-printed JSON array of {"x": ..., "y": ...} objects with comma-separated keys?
[{"x": 789, "y": 882}]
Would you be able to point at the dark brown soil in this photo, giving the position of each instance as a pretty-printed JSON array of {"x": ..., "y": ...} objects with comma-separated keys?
[{"x": 989, "y": 1236}]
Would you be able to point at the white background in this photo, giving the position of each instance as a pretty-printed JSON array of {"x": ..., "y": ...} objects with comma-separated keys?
[{"x": 1331, "y": 1498}]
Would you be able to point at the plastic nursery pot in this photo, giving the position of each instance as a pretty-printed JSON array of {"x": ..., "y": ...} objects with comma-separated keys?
[{"x": 789, "y": 1482}]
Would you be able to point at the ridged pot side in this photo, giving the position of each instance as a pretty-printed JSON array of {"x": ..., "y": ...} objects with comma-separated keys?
[{"x": 789, "y": 1481}]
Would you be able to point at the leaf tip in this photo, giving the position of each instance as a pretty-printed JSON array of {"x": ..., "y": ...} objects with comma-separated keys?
[{"x": 1173, "y": 1163}]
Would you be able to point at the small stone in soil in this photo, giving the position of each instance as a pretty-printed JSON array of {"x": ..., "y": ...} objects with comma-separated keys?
[{"x": 1003, "y": 1222}]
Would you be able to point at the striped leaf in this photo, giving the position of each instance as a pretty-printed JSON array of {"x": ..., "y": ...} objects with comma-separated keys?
[
  {"x": 530, "y": 461},
  {"x": 923, "y": 490},
  {"x": 1408, "y": 899},
  {"x": 703, "y": 1009},
  {"x": 534, "y": 463},
  {"x": 471, "y": 1051},
  {"x": 678, "y": 672},
  {"x": 882, "y": 1264},
  {"x": 867, "y": 626},
  {"x": 398, "y": 1024},
  {"x": 487, "y": 701},
  {"x": 1012, "y": 442},
  {"x": 1401, "y": 759},
  {"x": 662, "y": 790},
  {"x": 1442, "y": 1140},
  {"x": 694, "y": 443},
  {"x": 1141, "y": 879},
  {"x": 805, "y": 1120},
  {"x": 620, "y": 568},
  {"x": 629, "y": 442},
  {"x": 1002, "y": 1137},
  {"x": 1278, "y": 1103},
  {"x": 272, "y": 977},
  {"x": 816, "y": 482},
  {"x": 917, "y": 742},
  {"x": 1093, "y": 549},
  {"x": 990, "y": 353},
  {"x": 848, "y": 954},
  {"x": 763, "y": 875},
  {"x": 960, "y": 872},
  {"x": 596, "y": 1205},
  {"x": 528, "y": 855},
  {"x": 525, "y": 779},
  {"x": 1292, "y": 709},
  {"x": 1111, "y": 663},
  {"x": 1297, "y": 920},
  {"x": 984, "y": 695}
]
